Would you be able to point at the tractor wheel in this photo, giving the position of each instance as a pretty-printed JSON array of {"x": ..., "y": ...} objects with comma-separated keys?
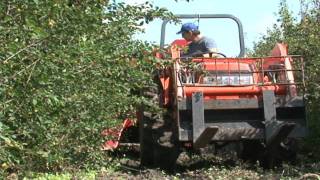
[
  {"x": 146, "y": 140},
  {"x": 166, "y": 149},
  {"x": 286, "y": 151},
  {"x": 147, "y": 119},
  {"x": 158, "y": 146},
  {"x": 253, "y": 151}
]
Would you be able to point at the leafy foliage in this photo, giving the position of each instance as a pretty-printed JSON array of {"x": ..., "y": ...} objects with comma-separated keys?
[
  {"x": 303, "y": 39},
  {"x": 68, "y": 70}
]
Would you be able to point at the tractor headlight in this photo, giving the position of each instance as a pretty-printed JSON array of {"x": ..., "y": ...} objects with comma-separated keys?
[{"x": 225, "y": 79}]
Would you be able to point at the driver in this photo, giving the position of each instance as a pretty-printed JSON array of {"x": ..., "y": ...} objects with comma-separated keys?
[{"x": 200, "y": 45}]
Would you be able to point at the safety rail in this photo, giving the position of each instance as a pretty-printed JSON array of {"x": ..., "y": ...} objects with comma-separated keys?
[{"x": 266, "y": 71}]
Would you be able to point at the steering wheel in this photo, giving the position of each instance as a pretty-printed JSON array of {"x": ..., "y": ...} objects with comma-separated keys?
[
  {"x": 199, "y": 54},
  {"x": 221, "y": 54}
]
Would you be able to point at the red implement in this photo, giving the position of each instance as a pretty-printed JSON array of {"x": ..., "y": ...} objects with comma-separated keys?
[{"x": 115, "y": 134}]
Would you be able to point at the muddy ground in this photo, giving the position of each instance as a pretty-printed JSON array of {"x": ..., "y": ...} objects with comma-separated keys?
[{"x": 223, "y": 165}]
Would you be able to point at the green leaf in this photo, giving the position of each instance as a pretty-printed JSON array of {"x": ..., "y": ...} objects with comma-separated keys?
[{"x": 34, "y": 102}]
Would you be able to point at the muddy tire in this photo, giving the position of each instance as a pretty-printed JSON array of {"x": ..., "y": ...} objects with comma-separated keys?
[
  {"x": 158, "y": 145},
  {"x": 165, "y": 142},
  {"x": 286, "y": 151},
  {"x": 146, "y": 140},
  {"x": 253, "y": 151},
  {"x": 147, "y": 120}
]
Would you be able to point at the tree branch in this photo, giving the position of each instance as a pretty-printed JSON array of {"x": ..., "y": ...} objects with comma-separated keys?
[{"x": 21, "y": 50}]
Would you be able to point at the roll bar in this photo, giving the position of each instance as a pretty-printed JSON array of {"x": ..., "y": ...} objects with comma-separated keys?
[{"x": 207, "y": 16}]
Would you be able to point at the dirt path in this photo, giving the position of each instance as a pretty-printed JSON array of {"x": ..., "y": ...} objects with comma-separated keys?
[{"x": 212, "y": 166}]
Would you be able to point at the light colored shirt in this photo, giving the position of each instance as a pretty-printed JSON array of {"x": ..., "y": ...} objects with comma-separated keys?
[{"x": 203, "y": 46}]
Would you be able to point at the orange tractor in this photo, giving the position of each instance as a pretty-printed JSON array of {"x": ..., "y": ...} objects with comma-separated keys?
[{"x": 256, "y": 103}]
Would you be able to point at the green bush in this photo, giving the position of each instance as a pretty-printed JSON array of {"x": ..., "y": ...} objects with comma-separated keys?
[{"x": 68, "y": 69}]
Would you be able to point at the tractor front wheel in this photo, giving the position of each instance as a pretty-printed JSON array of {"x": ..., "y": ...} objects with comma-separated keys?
[
  {"x": 158, "y": 142},
  {"x": 146, "y": 140},
  {"x": 166, "y": 149}
]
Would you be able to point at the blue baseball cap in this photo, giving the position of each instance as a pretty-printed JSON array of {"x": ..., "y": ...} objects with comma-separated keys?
[{"x": 188, "y": 27}]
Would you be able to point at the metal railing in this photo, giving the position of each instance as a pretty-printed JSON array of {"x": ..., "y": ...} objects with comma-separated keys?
[{"x": 266, "y": 71}]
